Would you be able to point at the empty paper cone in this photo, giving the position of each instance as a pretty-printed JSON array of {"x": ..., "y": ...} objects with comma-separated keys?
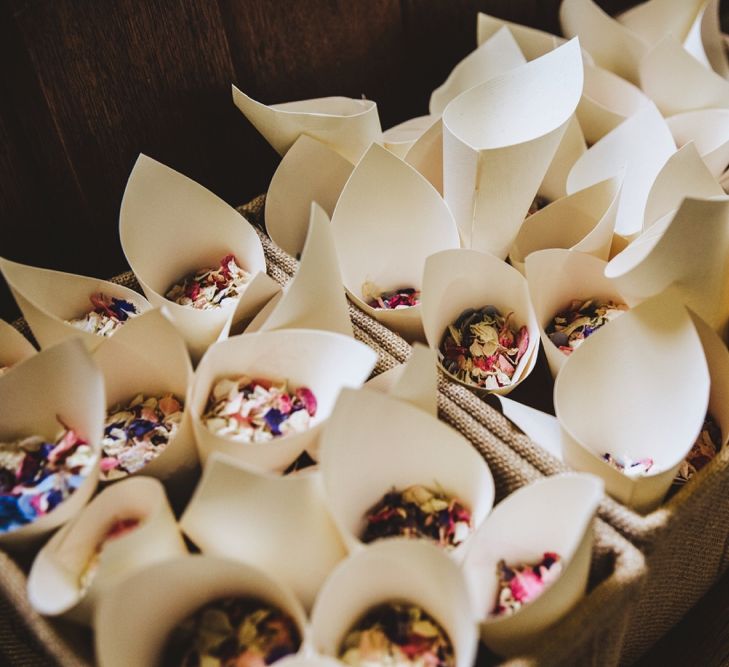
[
  {"x": 387, "y": 221},
  {"x": 374, "y": 444},
  {"x": 170, "y": 227},
  {"x": 315, "y": 298},
  {"x": 689, "y": 256},
  {"x": 149, "y": 357},
  {"x": 583, "y": 221},
  {"x": 14, "y": 347},
  {"x": 309, "y": 172},
  {"x": 556, "y": 278},
  {"x": 135, "y": 618},
  {"x": 78, "y": 565},
  {"x": 400, "y": 138},
  {"x": 346, "y": 125},
  {"x": 709, "y": 130},
  {"x": 541, "y": 427},
  {"x": 48, "y": 299},
  {"x": 533, "y": 43},
  {"x": 263, "y": 518},
  {"x": 654, "y": 19},
  {"x": 641, "y": 145},
  {"x": 499, "y": 139},
  {"x": 653, "y": 416},
  {"x": 426, "y": 155},
  {"x": 498, "y": 54},
  {"x": 395, "y": 570},
  {"x": 323, "y": 362},
  {"x": 57, "y": 388},
  {"x": 551, "y": 516},
  {"x": 457, "y": 280}
]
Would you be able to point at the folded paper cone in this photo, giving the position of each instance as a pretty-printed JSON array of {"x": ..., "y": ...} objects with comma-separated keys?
[
  {"x": 499, "y": 139},
  {"x": 49, "y": 298},
  {"x": 541, "y": 427},
  {"x": 148, "y": 357},
  {"x": 387, "y": 221},
  {"x": 14, "y": 347},
  {"x": 705, "y": 40},
  {"x": 134, "y": 619},
  {"x": 57, "y": 387},
  {"x": 315, "y": 298},
  {"x": 556, "y": 278},
  {"x": 654, "y": 19},
  {"x": 262, "y": 518},
  {"x": 689, "y": 256},
  {"x": 583, "y": 221},
  {"x": 613, "y": 46},
  {"x": 309, "y": 172},
  {"x": 373, "y": 444},
  {"x": 396, "y": 570},
  {"x": 652, "y": 415},
  {"x": 322, "y": 361},
  {"x": 496, "y": 55},
  {"x": 709, "y": 130},
  {"x": 170, "y": 226},
  {"x": 261, "y": 295},
  {"x": 641, "y": 145},
  {"x": 55, "y": 580},
  {"x": 400, "y": 138},
  {"x": 553, "y": 515},
  {"x": 570, "y": 149},
  {"x": 456, "y": 280},
  {"x": 346, "y": 125},
  {"x": 533, "y": 43},
  {"x": 426, "y": 155}
]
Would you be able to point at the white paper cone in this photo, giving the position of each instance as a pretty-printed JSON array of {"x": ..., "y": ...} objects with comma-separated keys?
[
  {"x": 613, "y": 46},
  {"x": 609, "y": 399},
  {"x": 708, "y": 129},
  {"x": 48, "y": 298},
  {"x": 148, "y": 356},
  {"x": 498, "y": 54},
  {"x": 395, "y": 570},
  {"x": 607, "y": 100},
  {"x": 309, "y": 172},
  {"x": 541, "y": 427},
  {"x": 712, "y": 47},
  {"x": 54, "y": 580},
  {"x": 63, "y": 383},
  {"x": 499, "y": 139},
  {"x": 171, "y": 226},
  {"x": 677, "y": 82},
  {"x": 315, "y": 298},
  {"x": 374, "y": 443},
  {"x": 261, "y": 294},
  {"x": 533, "y": 43},
  {"x": 387, "y": 221},
  {"x": 551, "y": 515},
  {"x": 262, "y": 519},
  {"x": 641, "y": 146},
  {"x": 400, "y": 138},
  {"x": 555, "y": 279},
  {"x": 690, "y": 256},
  {"x": 346, "y": 125},
  {"x": 653, "y": 20},
  {"x": 14, "y": 346},
  {"x": 426, "y": 155},
  {"x": 455, "y": 280},
  {"x": 135, "y": 618},
  {"x": 570, "y": 149},
  {"x": 583, "y": 221},
  {"x": 322, "y": 361}
]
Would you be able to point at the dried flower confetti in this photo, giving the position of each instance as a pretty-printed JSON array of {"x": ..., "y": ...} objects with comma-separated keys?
[
  {"x": 211, "y": 288},
  {"x": 36, "y": 475},
  {"x": 522, "y": 583},
  {"x": 232, "y": 632},
  {"x": 482, "y": 348},
  {"x": 302, "y": 462},
  {"x": 137, "y": 432},
  {"x": 257, "y": 410},
  {"x": 537, "y": 204},
  {"x": 629, "y": 467},
  {"x": 397, "y": 633},
  {"x": 117, "y": 529},
  {"x": 570, "y": 327},
  {"x": 418, "y": 512},
  {"x": 705, "y": 448},
  {"x": 403, "y": 297},
  {"x": 106, "y": 316}
]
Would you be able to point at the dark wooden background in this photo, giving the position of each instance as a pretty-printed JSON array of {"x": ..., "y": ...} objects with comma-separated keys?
[{"x": 86, "y": 85}]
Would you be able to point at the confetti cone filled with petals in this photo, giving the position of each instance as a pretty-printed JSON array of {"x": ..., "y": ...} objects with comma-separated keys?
[
  {"x": 397, "y": 633},
  {"x": 211, "y": 288},
  {"x": 107, "y": 315},
  {"x": 569, "y": 328},
  {"x": 522, "y": 583},
  {"x": 629, "y": 467}
]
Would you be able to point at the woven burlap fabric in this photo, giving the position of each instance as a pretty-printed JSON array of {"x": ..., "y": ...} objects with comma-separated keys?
[{"x": 591, "y": 635}]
